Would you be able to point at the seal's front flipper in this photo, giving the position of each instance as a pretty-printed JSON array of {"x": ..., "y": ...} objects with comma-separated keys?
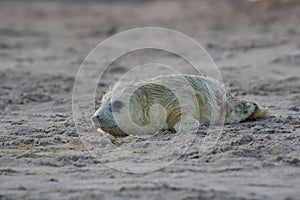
[{"x": 186, "y": 124}]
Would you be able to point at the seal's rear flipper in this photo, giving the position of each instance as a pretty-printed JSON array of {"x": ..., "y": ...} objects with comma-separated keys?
[
  {"x": 240, "y": 110},
  {"x": 259, "y": 113}
]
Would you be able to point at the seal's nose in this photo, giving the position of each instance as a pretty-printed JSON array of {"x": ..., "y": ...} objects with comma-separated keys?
[{"x": 95, "y": 119}]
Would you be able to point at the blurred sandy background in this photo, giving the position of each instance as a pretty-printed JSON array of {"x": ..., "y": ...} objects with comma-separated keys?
[{"x": 256, "y": 45}]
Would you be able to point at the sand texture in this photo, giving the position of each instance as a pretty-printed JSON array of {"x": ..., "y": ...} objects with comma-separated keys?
[{"x": 256, "y": 45}]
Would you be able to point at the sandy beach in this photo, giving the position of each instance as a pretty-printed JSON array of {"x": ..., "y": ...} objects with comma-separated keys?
[{"x": 256, "y": 46}]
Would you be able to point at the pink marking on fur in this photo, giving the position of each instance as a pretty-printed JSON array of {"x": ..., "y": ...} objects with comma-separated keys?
[{"x": 222, "y": 108}]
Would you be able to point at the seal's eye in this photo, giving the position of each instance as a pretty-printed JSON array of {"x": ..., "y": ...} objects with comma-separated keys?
[{"x": 116, "y": 105}]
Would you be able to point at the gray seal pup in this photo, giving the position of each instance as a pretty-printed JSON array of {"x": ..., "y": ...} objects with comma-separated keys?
[{"x": 171, "y": 102}]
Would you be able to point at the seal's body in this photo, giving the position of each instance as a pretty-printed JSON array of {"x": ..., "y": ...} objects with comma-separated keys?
[{"x": 171, "y": 102}]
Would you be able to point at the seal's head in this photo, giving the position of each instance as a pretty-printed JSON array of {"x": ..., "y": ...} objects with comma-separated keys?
[{"x": 112, "y": 105}]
